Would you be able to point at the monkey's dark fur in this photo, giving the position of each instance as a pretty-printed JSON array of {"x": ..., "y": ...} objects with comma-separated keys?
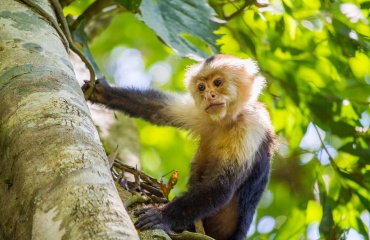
[{"x": 230, "y": 169}]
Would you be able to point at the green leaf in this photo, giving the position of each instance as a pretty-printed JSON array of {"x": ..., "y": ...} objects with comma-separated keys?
[
  {"x": 313, "y": 212},
  {"x": 248, "y": 42},
  {"x": 342, "y": 129},
  {"x": 293, "y": 88},
  {"x": 365, "y": 5},
  {"x": 319, "y": 105},
  {"x": 80, "y": 36},
  {"x": 361, "y": 228},
  {"x": 287, "y": 9},
  {"x": 293, "y": 227},
  {"x": 172, "y": 20},
  {"x": 364, "y": 200},
  {"x": 327, "y": 222},
  {"x": 358, "y": 151},
  {"x": 131, "y": 5},
  {"x": 359, "y": 187}
]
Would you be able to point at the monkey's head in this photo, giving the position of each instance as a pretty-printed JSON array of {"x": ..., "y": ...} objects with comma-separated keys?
[{"x": 222, "y": 86}]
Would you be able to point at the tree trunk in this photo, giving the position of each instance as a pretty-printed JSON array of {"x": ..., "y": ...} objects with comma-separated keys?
[{"x": 55, "y": 182}]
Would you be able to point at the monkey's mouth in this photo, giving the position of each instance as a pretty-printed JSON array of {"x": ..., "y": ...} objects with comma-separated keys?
[{"x": 214, "y": 106}]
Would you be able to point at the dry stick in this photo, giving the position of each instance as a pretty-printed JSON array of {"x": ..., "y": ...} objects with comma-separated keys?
[
  {"x": 156, "y": 196},
  {"x": 149, "y": 187},
  {"x": 133, "y": 170}
]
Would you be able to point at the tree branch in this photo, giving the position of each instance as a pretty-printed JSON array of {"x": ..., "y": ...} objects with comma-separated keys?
[{"x": 92, "y": 11}]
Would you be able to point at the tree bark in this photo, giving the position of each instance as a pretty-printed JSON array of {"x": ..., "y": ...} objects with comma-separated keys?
[{"x": 54, "y": 176}]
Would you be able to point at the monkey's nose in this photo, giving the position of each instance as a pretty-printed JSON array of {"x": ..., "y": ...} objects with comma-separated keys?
[{"x": 210, "y": 95}]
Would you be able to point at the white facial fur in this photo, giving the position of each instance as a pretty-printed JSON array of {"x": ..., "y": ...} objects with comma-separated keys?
[{"x": 241, "y": 84}]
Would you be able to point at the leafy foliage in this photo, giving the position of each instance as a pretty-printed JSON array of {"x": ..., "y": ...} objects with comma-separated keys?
[
  {"x": 174, "y": 22},
  {"x": 130, "y": 5},
  {"x": 316, "y": 58}
]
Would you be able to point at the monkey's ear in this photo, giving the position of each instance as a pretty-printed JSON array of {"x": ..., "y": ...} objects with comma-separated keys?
[
  {"x": 259, "y": 83},
  {"x": 251, "y": 67}
]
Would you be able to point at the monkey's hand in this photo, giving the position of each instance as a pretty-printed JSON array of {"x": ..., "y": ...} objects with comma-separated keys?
[
  {"x": 99, "y": 92},
  {"x": 151, "y": 218}
]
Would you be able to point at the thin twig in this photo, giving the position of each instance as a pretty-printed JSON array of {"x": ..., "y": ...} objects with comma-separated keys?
[
  {"x": 143, "y": 182},
  {"x": 64, "y": 3},
  {"x": 91, "y": 11},
  {"x": 325, "y": 148},
  {"x": 59, "y": 12},
  {"x": 240, "y": 10}
]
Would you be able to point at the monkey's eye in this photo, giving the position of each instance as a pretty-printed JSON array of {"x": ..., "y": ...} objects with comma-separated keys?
[
  {"x": 217, "y": 82},
  {"x": 201, "y": 87}
]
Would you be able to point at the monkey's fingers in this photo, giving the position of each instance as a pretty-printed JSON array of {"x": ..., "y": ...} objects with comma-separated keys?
[
  {"x": 88, "y": 90},
  {"x": 102, "y": 82},
  {"x": 97, "y": 94},
  {"x": 143, "y": 223},
  {"x": 152, "y": 218},
  {"x": 141, "y": 211},
  {"x": 152, "y": 226},
  {"x": 147, "y": 222},
  {"x": 85, "y": 86},
  {"x": 99, "y": 84}
]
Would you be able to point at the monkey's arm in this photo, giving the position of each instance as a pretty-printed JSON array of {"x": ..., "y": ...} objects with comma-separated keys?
[
  {"x": 149, "y": 104},
  {"x": 200, "y": 201}
]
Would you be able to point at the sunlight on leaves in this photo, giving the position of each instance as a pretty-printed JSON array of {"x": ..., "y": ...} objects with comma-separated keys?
[
  {"x": 313, "y": 212},
  {"x": 360, "y": 65}
]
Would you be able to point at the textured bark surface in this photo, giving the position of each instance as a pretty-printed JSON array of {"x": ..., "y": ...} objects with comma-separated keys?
[{"x": 54, "y": 176}]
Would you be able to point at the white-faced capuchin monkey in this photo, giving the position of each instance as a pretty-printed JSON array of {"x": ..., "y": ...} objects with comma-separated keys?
[{"x": 231, "y": 166}]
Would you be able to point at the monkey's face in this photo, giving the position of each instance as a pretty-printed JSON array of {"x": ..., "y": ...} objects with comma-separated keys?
[
  {"x": 223, "y": 85},
  {"x": 211, "y": 94},
  {"x": 214, "y": 94}
]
